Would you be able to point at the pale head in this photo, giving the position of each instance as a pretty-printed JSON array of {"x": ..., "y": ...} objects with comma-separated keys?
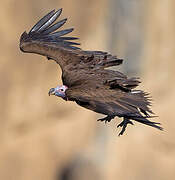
[{"x": 58, "y": 91}]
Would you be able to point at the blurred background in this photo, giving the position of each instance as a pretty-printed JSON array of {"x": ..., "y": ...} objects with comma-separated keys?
[{"x": 46, "y": 138}]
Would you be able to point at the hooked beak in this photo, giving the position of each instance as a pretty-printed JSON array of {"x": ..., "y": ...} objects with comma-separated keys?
[{"x": 51, "y": 91}]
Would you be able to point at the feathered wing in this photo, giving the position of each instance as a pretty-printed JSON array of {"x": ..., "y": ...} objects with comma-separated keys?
[
  {"x": 114, "y": 102},
  {"x": 44, "y": 39}
]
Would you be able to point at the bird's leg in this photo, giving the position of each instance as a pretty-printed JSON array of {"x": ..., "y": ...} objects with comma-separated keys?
[
  {"x": 124, "y": 124},
  {"x": 107, "y": 118}
]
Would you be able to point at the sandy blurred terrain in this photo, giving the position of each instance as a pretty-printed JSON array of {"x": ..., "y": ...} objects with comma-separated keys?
[{"x": 45, "y": 138}]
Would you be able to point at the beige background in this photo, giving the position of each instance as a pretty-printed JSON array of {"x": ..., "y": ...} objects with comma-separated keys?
[{"x": 46, "y": 138}]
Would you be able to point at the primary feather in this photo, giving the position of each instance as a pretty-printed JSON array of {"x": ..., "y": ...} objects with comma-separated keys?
[{"x": 89, "y": 83}]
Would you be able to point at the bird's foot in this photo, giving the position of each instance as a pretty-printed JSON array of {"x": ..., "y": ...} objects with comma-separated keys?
[
  {"x": 106, "y": 119},
  {"x": 124, "y": 124}
]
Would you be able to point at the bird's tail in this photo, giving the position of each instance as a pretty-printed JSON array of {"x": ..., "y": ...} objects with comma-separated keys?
[
  {"x": 144, "y": 120},
  {"x": 142, "y": 102}
]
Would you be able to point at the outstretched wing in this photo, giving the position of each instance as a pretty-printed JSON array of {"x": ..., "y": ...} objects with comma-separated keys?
[
  {"x": 43, "y": 39},
  {"x": 114, "y": 102}
]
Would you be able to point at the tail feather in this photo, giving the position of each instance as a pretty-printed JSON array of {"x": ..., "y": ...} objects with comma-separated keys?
[
  {"x": 139, "y": 105},
  {"x": 144, "y": 120}
]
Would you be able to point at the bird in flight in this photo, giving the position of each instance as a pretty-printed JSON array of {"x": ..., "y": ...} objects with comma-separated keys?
[{"x": 85, "y": 74}]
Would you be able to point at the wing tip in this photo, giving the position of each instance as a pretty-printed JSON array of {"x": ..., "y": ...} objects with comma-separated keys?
[
  {"x": 44, "y": 29},
  {"x": 58, "y": 12},
  {"x": 61, "y": 9},
  {"x": 45, "y": 19},
  {"x": 42, "y": 21}
]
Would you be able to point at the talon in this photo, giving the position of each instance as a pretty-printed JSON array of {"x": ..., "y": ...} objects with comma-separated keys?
[
  {"x": 121, "y": 133},
  {"x": 124, "y": 124},
  {"x": 121, "y": 124},
  {"x": 106, "y": 119}
]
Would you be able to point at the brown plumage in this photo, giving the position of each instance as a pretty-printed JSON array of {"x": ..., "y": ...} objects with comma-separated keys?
[{"x": 89, "y": 83}]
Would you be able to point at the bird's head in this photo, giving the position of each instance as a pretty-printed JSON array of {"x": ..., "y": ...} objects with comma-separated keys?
[{"x": 58, "y": 91}]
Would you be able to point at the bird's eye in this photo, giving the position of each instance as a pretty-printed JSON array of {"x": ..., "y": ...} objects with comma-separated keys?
[{"x": 61, "y": 90}]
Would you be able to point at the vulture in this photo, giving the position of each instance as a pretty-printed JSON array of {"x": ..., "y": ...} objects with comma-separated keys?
[{"x": 86, "y": 76}]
